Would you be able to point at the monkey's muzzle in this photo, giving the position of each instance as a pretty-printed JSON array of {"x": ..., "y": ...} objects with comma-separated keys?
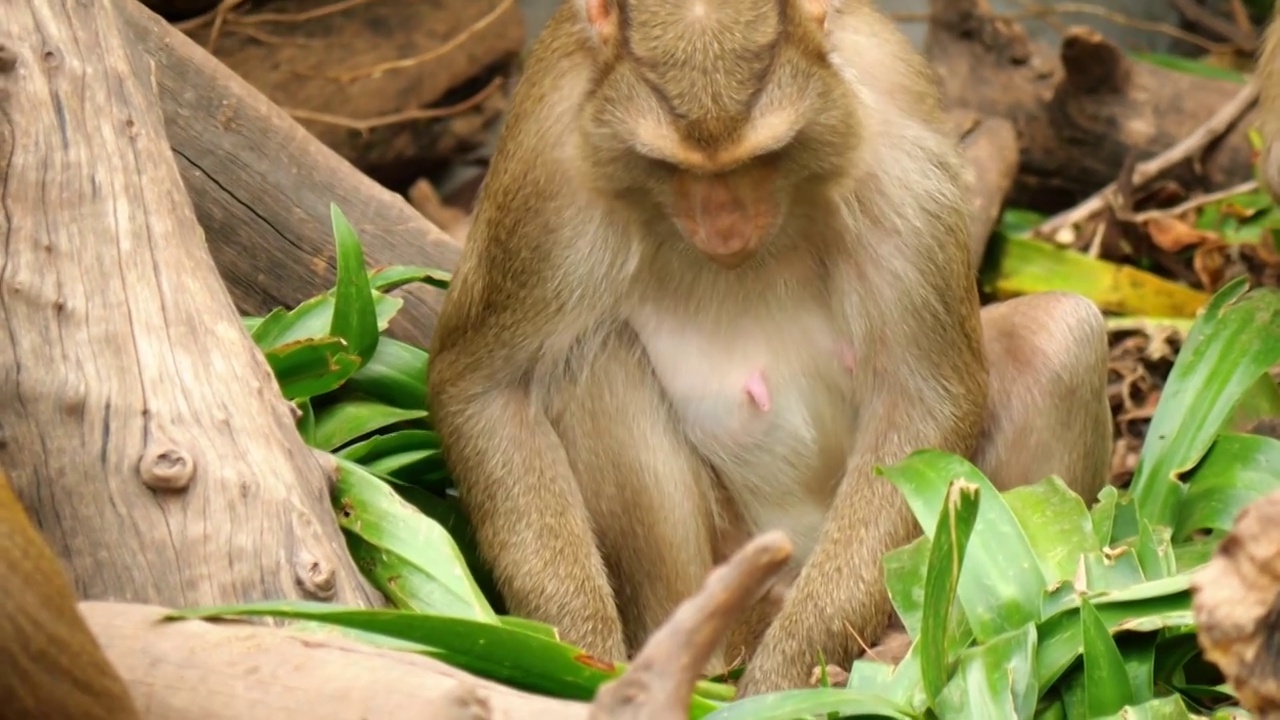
[{"x": 727, "y": 216}]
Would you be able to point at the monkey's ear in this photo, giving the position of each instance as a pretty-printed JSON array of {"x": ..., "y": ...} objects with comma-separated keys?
[
  {"x": 601, "y": 18},
  {"x": 818, "y": 10}
]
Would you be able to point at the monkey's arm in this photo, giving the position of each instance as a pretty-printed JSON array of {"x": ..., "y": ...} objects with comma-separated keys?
[
  {"x": 927, "y": 389},
  {"x": 503, "y": 334}
]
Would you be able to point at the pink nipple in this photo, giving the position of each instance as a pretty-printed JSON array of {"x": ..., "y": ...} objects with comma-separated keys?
[
  {"x": 847, "y": 357},
  {"x": 757, "y": 390}
]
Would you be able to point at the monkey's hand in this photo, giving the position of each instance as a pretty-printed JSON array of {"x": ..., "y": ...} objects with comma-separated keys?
[{"x": 839, "y": 601}]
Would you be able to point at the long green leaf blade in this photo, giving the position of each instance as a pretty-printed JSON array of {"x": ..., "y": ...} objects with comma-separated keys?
[
  {"x": 1106, "y": 680},
  {"x": 354, "y": 317},
  {"x": 1222, "y": 357},
  {"x": 946, "y": 560}
]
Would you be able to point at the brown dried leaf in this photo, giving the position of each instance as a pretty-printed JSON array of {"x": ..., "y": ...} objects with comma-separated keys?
[{"x": 1173, "y": 235}]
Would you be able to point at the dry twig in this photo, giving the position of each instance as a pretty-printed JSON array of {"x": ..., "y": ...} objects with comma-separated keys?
[
  {"x": 660, "y": 681},
  {"x": 1194, "y": 203},
  {"x": 402, "y": 116},
  {"x": 453, "y": 43},
  {"x": 1148, "y": 170}
]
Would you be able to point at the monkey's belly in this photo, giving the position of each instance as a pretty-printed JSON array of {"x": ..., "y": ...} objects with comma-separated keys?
[{"x": 775, "y": 415}]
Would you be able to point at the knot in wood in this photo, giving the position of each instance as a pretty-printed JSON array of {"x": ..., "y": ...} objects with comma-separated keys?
[
  {"x": 166, "y": 469},
  {"x": 8, "y": 59},
  {"x": 316, "y": 578}
]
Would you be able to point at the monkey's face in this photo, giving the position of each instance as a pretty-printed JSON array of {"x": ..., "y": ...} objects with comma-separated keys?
[{"x": 722, "y": 176}]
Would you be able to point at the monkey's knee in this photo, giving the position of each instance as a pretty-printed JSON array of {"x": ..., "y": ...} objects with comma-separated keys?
[{"x": 1048, "y": 412}]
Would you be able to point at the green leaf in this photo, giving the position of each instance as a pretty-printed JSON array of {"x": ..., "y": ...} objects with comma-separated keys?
[
  {"x": 396, "y": 276},
  {"x": 1223, "y": 355},
  {"x": 1147, "y": 607},
  {"x": 342, "y": 422},
  {"x": 1001, "y": 585},
  {"x": 265, "y": 331},
  {"x": 1260, "y": 402},
  {"x": 390, "y": 444},
  {"x": 1237, "y": 470},
  {"x": 306, "y": 421},
  {"x": 307, "y": 368},
  {"x": 313, "y": 318},
  {"x": 1023, "y": 266},
  {"x": 395, "y": 375},
  {"x": 1056, "y": 524},
  {"x": 1139, "y": 651},
  {"x": 994, "y": 680},
  {"x": 513, "y": 657},
  {"x": 1169, "y": 707},
  {"x": 530, "y": 626},
  {"x": 946, "y": 559},
  {"x": 410, "y": 557},
  {"x": 354, "y": 317},
  {"x": 1103, "y": 515},
  {"x": 792, "y": 704},
  {"x": 447, "y": 512},
  {"x": 1106, "y": 679},
  {"x": 904, "y": 572}
]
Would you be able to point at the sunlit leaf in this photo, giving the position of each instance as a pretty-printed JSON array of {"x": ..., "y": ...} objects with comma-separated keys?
[
  {"x": 412, "y": 559},
  {"x": 307, "y": 368},
  {"x": 1223, "y": 355},
  {"x": 350, "y": 419}
]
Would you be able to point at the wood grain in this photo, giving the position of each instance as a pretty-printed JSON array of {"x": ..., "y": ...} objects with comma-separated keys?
[
  {"x": 142, "y": 428},
  {"x": 262, "y": 185}
]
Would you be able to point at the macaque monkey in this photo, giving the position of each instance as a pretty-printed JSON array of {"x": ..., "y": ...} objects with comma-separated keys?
[
  {"x": 718, "y": 272},
  {"x": 1268, "y": 76},
  {"x": 51, "y": 667}
]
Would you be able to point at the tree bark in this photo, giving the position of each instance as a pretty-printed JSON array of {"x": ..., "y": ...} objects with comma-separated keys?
[
  {"x": 1236, "y": 598},
  {"x": 241, "y": 671},
  {"x": 990, "y": 147},
  {"x": 1079, "y": 112},
  {"x": 397, "y": 58},
  {"x": 262, "y": 185},
  {"x": 144, "y": 431}
]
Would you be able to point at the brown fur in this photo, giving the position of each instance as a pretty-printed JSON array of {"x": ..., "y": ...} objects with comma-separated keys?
[
  {"x": 583, "y": 367},
  {"x": 54, "y": 669}
]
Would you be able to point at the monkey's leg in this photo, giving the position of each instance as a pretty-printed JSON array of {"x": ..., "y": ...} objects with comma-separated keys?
[
  {"x": 648, "y": 492},
  {"x": 1047, "y": 410}
]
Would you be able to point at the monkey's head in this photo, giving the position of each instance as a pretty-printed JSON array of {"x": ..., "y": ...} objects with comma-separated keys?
[{"x": 714, "y": 114}]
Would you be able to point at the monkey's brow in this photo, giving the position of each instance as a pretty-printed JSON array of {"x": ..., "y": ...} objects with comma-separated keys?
[{"x": 707, "y": 83}]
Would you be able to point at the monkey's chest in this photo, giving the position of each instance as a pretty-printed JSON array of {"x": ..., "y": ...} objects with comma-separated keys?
[{"x": 772, "y": 405}]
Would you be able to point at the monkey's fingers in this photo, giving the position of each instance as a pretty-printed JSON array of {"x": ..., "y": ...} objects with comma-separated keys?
[{"x": 658, "y": 684}]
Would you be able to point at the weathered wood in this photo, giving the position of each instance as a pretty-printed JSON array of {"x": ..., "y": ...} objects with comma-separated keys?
[
  {"x": 1079, "y": 111},
  {"x": 143, "y": 430},
  {"x": 990, "y": 147},
  {"x": 1236, "y": 598},
  {"x": 396, "y": 58},
  {"x": 262, "y": 185},
  {"x": 661, "y": 678},
  {"x": 239, "y": 671}
]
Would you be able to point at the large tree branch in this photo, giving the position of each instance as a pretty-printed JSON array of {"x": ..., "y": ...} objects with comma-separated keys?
[
  {"x": 143, "y": 429},
  {"x": 261, "y": 185}
]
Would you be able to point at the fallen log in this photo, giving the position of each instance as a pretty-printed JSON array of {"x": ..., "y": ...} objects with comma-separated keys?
[
  {"x": 240, "y": 671},
  {"x": 1079, "y": 111},
  {"x": 261, "y": 185},
  {"x": 990, "y": 147},
  {"x": 143, "y": 430},
  {"x": 411, "y": 86}
]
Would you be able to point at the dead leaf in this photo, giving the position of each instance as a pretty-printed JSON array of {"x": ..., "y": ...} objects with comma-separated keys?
[{"x": 1173, "y": 235}]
